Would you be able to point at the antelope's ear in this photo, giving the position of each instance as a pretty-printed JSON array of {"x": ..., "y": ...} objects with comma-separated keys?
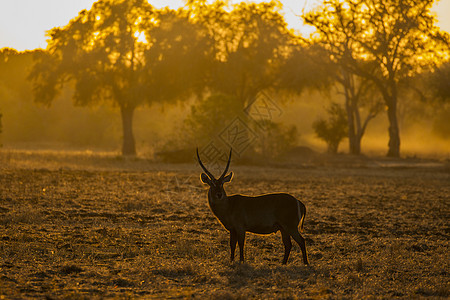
[
  {"x": 228, "y": 177},
  {"x": 205, "y": 179}
]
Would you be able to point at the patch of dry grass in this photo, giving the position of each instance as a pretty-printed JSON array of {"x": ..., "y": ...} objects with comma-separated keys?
[{"x": 107, "y": 228}]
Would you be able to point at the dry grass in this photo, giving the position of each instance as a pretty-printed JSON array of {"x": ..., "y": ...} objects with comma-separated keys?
[{"x": 97, "y": 226}]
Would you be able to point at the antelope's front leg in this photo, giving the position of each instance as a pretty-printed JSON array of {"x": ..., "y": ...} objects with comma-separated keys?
[
  {"x": 233, "y": 241},
  {"x": 241, "y": 242}
]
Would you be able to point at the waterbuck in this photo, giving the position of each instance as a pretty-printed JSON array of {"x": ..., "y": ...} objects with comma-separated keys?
[{"x": 263, "y": 214}]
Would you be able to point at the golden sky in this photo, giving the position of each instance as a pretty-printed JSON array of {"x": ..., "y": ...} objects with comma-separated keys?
[{"x": 23, "y": 23}]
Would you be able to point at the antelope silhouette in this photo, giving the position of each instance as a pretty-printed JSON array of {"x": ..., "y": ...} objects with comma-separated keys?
[{"x": 264, "y": 214}]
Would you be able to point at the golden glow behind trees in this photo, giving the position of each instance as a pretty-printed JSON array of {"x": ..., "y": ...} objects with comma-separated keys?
[
  {"x": 396, "y": 38},
  {"x": 439, "y": 81},
  {"x": 313, "y": 67},
  {"x": 99, "y": 52},
  {"x": 250, "y": 43},
  {"x": 126, "y": 52},
  {"x": 131, "y": 54}
]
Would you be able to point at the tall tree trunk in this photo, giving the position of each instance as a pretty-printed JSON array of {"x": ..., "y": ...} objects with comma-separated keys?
[
  {"x": 128, "y": 146},
  {"x": 356, "y": 147},
  {"x": 354, "y": 136},
  {"x": 394, "y": 133},
  {"x": 351, "y": 107},
  {"x": 333, "y": 147},
  {"x": 352, "y": 139}
]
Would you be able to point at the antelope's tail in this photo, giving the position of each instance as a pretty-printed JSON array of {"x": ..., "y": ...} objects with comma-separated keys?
[{"x": 301, "y": 214}]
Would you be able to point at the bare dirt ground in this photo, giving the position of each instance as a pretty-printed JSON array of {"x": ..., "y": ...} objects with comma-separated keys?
[{"x": 76, "y": 225}]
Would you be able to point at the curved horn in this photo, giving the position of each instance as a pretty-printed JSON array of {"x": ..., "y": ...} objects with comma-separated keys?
[
  {"x": 203, "y": 167},
  {"x": 228, "y": 164}
]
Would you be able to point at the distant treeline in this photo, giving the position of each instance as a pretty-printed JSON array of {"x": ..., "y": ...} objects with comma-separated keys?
[{"x": 370, "y": 57}]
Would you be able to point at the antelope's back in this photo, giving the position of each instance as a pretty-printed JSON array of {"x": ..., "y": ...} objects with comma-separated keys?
[{"x": 279, "y": 207}]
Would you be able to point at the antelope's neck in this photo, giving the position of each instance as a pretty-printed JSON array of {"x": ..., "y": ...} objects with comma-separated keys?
[{"x": 220, "y": 208}]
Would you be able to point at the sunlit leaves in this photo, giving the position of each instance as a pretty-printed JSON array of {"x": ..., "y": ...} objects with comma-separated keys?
[
  {"x": 178, "y": 56},
  {"x": 392, "y": 33},
  {"x": 307, "y": 67},
  {"x": 397, "y": 39},
  {"x": 125, "y": 52},
  {"x": 100, "y": 49},
  {"x": 250, "y": 41},
  {"x": 439, "y": 82}
]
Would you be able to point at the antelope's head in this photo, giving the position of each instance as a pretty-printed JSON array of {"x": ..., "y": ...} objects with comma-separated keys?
[{"x": 215, "y": 185}]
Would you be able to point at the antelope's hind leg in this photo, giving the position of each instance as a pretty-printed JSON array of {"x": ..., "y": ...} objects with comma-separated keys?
[
  {"x": 301, "y": 242},
  {"x": 287, "y": 245}
]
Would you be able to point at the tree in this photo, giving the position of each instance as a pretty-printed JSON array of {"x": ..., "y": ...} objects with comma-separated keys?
[
  {"x": 439, "y": 81},
  {"x": 434, "y": 89},
  {"x": 5, "y": 53},
  {"x": 358, "y": 94},
  {"x": 396, "y": 39},
  {"x": 13, "y": 71},
  {"x": 14, "y": 87},
  {"x": 1, "y": 126},
  {"x": 122, "y": 52},
  {"x": 311, "y": 67},
  {"x": 209, "y": 116},
  {"x": 251, "y": 42},
  {"x": 333, "y": 130},
  {"x": 307, "y": 67},
  {"x": 275, "y": 139}
]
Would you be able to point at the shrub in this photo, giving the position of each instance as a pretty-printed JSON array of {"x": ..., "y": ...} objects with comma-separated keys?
[
  {"x": 210, "y": 116},
  {"x": 333, "y": 130},
  {"x": 275, "y": 139}
]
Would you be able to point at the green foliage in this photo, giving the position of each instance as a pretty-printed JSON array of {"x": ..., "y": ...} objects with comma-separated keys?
[{"x": 333, "y": 130}]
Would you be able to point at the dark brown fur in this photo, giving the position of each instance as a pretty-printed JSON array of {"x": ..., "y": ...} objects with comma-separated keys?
[{"x": 262, "y": 214}]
